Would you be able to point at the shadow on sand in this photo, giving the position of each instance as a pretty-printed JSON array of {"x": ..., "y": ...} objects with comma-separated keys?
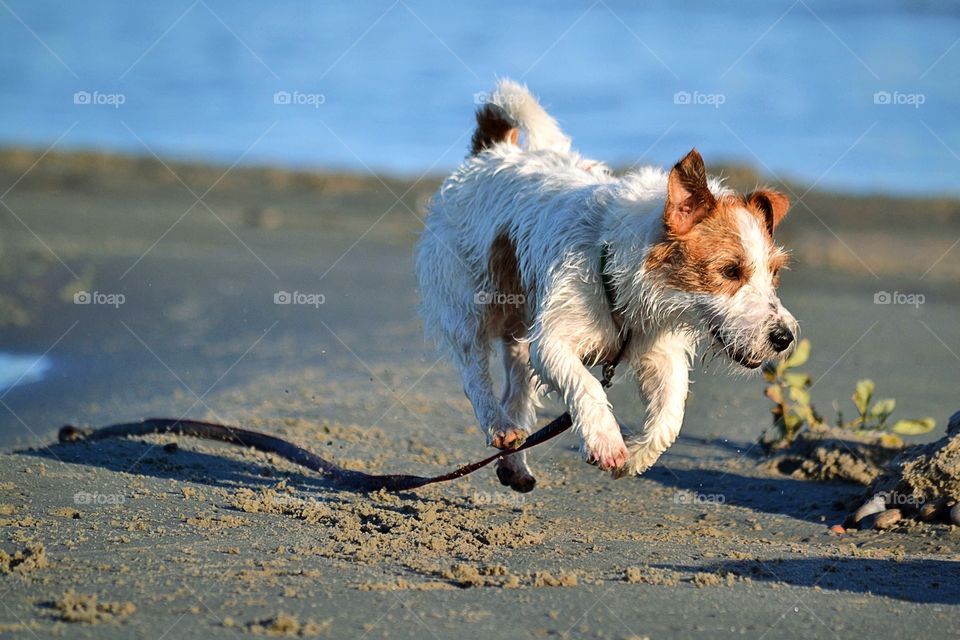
[
  {"x": 136, "y": 456},
  {"x": 818, "y": 502},
  {"x": 922, "y": 581}
]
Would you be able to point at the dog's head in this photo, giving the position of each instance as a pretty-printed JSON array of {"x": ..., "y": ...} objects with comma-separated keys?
[{"x": 719, "y": 264}]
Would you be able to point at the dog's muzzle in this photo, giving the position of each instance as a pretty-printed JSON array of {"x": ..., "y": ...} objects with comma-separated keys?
[{"x": 738, "y": 355}]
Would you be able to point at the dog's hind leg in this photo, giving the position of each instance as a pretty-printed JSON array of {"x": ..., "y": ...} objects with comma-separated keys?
[
  {"x": 472, "y": 354},
  {"x": 519, "y": 392}
]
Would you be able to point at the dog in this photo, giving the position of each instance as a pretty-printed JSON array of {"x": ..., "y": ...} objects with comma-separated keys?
[{"x": 534, "y": 248}]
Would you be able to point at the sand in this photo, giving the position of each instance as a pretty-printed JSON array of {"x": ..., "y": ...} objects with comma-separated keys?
[{"x": 137, "y": 538}]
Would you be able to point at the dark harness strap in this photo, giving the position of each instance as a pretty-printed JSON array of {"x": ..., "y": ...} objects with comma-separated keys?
[{"x": 610, "y": 291}]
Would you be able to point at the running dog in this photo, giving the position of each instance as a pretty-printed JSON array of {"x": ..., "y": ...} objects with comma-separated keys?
[{"x": 530, "y": 246}]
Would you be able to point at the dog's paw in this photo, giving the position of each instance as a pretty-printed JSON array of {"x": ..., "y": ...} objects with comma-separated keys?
[
  {"x": 642, "y": 457},
  {"x": 520, "y": 480},
  {"x": 507, "y": 438},
  {"x": 606, "y": 450}
]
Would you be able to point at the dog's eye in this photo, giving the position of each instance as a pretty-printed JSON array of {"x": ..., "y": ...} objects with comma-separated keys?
[{"x": 732, "y": 272}]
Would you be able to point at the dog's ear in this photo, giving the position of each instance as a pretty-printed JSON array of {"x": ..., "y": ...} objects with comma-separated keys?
[
  {"x": 688, "y": 197},
  {"x": 773, "y": 204}
]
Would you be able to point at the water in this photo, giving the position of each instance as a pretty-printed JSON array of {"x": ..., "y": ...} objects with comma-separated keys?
[
  {"x": 786, "y": 86},
  {"x": 20, "y": 369}
]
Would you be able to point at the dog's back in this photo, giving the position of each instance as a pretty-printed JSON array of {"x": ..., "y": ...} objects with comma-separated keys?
[{"x": 520, "y": 198}]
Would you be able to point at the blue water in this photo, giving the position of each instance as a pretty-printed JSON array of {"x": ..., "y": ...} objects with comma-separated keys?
[
  {"x": 20, "y": 369},
  {"x": 786, "y": 86}
]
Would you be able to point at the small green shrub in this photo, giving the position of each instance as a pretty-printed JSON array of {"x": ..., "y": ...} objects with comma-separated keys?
[{"x": 789, "y": 390}]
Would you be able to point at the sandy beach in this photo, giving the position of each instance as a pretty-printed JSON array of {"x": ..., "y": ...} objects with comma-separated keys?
[{"x": 171, "y": 537}]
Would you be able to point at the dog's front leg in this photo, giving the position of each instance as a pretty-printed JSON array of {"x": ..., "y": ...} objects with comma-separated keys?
[
  {"x": 662, "y": 367},
  {"x": 559, "y": 366}
]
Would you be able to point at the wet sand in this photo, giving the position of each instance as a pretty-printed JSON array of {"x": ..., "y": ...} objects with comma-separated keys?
[{"x": 202, "y": 540}]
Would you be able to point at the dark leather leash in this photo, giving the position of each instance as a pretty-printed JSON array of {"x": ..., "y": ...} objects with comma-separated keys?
[{"x": 346, "y": 478}]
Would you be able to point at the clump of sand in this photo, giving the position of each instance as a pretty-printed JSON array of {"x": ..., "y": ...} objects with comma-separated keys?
[
  {"x": 76, "y": 607},
  {"x": 706, "y": 579},
  {"x": 25, "y": 561},
  {"x": 930, "y": 471},
  {"x": 401, "y": 584},
  {"x": 925, "y": 478},
  {"x": 216, "y": 522},
  {"x": 468, "y": 575},
  {"x": 832, "y": 453},
  {"x": 284, "y": 625},
  {"x": 651, "y": 575},
  {"x": 383, "y": 527},
  {"x": 559, "y": 579},
  {"x": 277, "y": 501}
]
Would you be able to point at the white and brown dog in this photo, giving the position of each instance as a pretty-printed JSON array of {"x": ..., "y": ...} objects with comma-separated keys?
[{"x": 534, "y": 247}]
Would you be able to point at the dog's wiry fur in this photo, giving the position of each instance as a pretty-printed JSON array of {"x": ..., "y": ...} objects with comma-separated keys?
[{"x": 511, "y": 254}]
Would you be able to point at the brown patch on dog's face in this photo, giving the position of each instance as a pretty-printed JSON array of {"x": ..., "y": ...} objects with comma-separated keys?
[
  {"x": 703, "y": 251},
  {"x": 709, "y": 258}
]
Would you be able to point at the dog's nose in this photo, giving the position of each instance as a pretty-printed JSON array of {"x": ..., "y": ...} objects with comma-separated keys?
[{"x": 781, "y": 337}]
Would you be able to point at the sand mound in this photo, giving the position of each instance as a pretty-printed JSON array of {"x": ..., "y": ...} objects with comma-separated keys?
[
  {"x": 77, "y": 607},
  {"x": 25, "y": 561},
  {"x": 834, "y": 454},
  {"x": 923, "y": 481}
]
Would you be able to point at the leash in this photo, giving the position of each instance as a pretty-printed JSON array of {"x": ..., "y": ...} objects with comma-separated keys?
[{"x": 346, "y": 478}]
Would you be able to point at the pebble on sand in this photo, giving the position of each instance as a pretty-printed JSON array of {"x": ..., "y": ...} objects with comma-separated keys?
[{"x": 886, "y": 519}]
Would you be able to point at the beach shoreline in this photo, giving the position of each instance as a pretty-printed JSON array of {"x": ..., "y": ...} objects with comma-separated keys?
[{"x": 201, "y": 540}]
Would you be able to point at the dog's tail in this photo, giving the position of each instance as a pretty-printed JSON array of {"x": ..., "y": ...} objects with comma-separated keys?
[{"x": 510, "y": 109}]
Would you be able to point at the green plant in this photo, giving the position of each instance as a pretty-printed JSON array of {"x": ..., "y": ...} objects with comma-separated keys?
[
  {"x": 790, "y": 393},
  {"x": 789, "y": 390}
]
